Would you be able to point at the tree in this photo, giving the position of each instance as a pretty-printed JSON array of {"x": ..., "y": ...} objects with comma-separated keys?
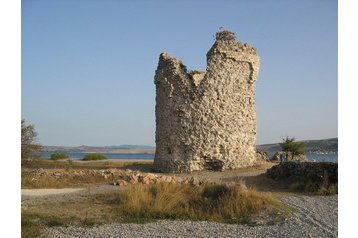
[
  {"x": 58, "y": 155},
  {"x": 289, "y": 145},
  {"x": 28, "y": 138},
  {"x": 94, "y": 156}
]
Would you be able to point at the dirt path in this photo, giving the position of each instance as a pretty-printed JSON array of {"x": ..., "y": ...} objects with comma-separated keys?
[
  {"x": 48, "y": 191},
  {"x": 33, "y": 197}
]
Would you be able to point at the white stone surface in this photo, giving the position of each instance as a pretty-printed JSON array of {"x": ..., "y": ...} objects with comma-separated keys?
[{"x": 207, "y": 120}]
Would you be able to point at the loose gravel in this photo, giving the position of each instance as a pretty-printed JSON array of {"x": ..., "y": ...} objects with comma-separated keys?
[{"x": 315, "y": 216}]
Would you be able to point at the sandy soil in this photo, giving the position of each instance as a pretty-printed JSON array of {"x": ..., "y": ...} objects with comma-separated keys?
[{"x": 48, "y": 191}]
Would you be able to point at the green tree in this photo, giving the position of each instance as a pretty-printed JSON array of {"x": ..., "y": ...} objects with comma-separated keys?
[
  {"x": 94, "y": 156},
  {"x": 289, "y": 145},
  {"x": 28, "y": 141}
]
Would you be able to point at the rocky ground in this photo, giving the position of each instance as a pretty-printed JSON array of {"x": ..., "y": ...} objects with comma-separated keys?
[
  {"x": 316, "y": 216},
  {"x": 124, "y": 177}
]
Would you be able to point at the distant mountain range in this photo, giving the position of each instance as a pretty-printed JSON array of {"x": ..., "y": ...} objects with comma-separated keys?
[
  {"x": 312, "y": 146},
  {"x": 130, "y": 147},
  {"x": 326, "y": 145}
]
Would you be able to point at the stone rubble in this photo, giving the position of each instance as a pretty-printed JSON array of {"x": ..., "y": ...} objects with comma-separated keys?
[
  {"x": 115, "y": 177},
  {"x": 290, "y": 157}
]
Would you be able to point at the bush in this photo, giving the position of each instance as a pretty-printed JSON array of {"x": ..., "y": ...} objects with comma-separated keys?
[
  {"x": 94, "y": 157},
  {"x": 59, "y": 155},
  {"x": 289, "y": 145},
  {"x": 320, "y": 178}
]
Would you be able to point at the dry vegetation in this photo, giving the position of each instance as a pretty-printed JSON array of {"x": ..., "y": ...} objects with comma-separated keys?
[
  {"x": 142, "y": 165},
  {"x": 144, "y": 203},
  {"x": 29, "y": 228},
  {"x": 63, "y": 182},
  {"x": 222, "y": 203},
  {"x": 28, "y": 180}
]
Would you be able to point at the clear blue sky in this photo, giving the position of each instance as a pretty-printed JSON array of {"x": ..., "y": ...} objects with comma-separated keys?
[{"x": 88, "y": 65}]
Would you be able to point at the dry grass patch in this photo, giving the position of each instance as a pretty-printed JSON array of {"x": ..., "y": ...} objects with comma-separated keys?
[
  {"x": 222, "y": 203},
  {"x": 68, "y": 170},
  {"x": 144, "y": 203},
  {"x": 48, "y": 181},
  {"x": 78, "y": 164},
  {"x": 85, "y": 211}
]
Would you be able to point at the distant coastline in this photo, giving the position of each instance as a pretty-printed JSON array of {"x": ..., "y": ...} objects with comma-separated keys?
[
  {"x": 325, "y": 146},
  {"x": 122, "y": 149},
  {"x": 316, "y": 150},
  {"x": 111, "y": 156}
]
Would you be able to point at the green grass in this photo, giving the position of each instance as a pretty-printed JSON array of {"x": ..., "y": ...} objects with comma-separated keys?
[
  {"x": 94, "y": 156},
  {"x": 29, "y": 228},
  {"x": 221, "y": 203}
]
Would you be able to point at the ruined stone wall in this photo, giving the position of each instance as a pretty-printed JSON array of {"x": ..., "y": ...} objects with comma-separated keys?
[{"x": 207, "y": 120}]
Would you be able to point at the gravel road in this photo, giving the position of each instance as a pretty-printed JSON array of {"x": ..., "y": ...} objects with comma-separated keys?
[{"x": 315, "y": 216}]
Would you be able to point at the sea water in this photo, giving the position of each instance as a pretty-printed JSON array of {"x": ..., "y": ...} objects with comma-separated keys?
[
  {"x": 322, "y": 157},
  {"x": 123, "y": 156}
]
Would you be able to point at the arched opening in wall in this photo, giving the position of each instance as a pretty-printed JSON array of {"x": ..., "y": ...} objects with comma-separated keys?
[{"x": 211, "y": 163}]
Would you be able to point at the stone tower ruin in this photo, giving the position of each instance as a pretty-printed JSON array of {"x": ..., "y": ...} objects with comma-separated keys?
[{"x": 207, "y": 120}]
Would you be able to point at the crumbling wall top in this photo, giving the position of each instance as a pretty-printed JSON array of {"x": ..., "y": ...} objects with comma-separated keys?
[
  {"x": 226, "y": 41},
  {"x": 225, "y": 36}
]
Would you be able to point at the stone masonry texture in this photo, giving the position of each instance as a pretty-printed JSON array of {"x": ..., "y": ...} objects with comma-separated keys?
[{"x": 207, "y": 120}]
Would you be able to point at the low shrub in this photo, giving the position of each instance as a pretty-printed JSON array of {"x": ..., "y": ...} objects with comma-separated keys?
[
  {"x": 220, "y": 203},
  {"x": 94, "y": 156},
  {"x": 314, "y": 177},
  {"x": 58, "y": 155}
]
